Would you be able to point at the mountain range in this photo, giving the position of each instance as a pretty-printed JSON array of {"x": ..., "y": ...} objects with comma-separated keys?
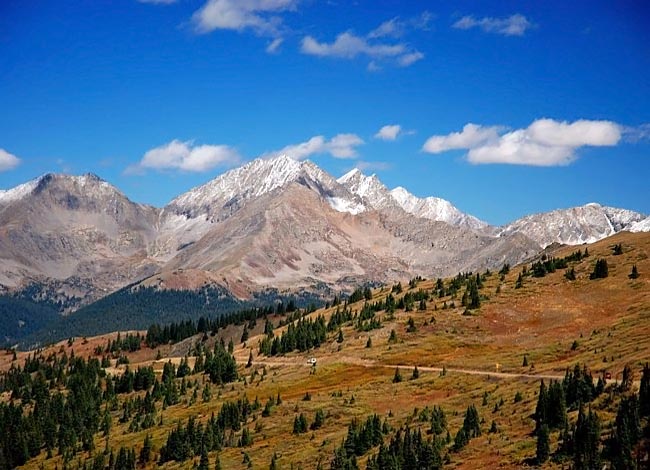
[{"x": 277, "y": 222}]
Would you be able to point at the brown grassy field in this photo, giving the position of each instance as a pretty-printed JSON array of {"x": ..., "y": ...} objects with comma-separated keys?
[{"x": 608, "y": 319}]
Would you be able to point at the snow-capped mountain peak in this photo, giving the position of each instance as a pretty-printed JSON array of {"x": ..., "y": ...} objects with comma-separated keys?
[
  {"x": 374, "y": 193},
  {"x": 368, "y": 188},
  {"x": 576, "y": 225}
]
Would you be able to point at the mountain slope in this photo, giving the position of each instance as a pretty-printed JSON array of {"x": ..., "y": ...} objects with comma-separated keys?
[
  {"x": 574, "y": 226},
  {"x": 270, "y": 223},
  {"x": 295, "y": 238},
  {"x": 192, "y": 214},
  {"x": 79, "y": 230}
]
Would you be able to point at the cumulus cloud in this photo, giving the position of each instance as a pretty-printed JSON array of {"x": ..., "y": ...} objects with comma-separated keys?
[
  {"x": 238, "y": 15},
  {"x": 339, "y": 146},
  {"x": 374, "y": 45},
  {"x": 348, "y": 46},
  {"x": 389, "y": 132},
  {"x": 8, "y": 161},
  {"x": 514, "y": 25},
  {"x": 185, "y": 156},
  {"x": 545, "y": 142},
  {"x": 471, "y": 136}
]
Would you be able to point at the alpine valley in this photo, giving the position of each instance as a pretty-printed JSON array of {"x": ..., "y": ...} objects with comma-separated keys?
[{"x": 273, "y": 225}]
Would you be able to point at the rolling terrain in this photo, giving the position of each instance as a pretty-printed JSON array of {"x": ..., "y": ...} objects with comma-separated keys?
[{"x": 491, "y": 356}]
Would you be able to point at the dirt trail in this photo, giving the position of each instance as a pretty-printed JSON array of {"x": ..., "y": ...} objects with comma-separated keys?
[{"x": 368, "y": 363}]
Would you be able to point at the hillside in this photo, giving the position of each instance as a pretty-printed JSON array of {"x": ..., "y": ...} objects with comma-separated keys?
[{"x": 477, "y": 359}]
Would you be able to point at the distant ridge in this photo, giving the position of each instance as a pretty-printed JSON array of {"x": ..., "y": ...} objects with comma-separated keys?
[{"x": 271, "y": 223}]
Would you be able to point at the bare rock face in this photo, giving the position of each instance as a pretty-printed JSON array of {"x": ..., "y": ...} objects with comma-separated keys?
[{"x": 270, "y": 223}]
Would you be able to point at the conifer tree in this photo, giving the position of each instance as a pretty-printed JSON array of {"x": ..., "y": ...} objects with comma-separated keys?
[
  {"x": 398, "y": 376},
  {"x": 543, "y": 444},
  {"x": 635, "y": 273},
  {"x": 644, "y": 392},
  {"x": 570, "y": 274},
  {"x": 600, "y": 269},
  {"x": 520, "y": 282},
  {"x": 416, "y": 373},
  {"x": 145, "y": 452}
]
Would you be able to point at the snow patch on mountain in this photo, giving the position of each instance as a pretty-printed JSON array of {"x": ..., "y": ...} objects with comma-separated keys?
[
  {"x": 18, "y": 192},
  {"x": 375, "y": 194},
  {"x": 641, "y": 225},
  {"x": 345, "y": 205}
]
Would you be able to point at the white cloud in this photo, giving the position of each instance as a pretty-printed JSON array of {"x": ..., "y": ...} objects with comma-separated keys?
[
  {"x": 392, "y": 28},
  {"x": 239, "y": 15},
  {"x": 186, "y": 156},
  {"x": 410, "y": 58},
  {"x": 397, "y": 27},
  {"x": 339, "y": 146},
  {"x": 471, "y": 136},
  {"x": 8, "y": 161},
  {"x": 274, "y": 46},
  {"x": 636, "y": 134},
  {"x": 545, "y": 142},
  {"x": 389, "y": 132},
  {"x": 348, "y": 45},
  {"x": 514, "y": 25}
]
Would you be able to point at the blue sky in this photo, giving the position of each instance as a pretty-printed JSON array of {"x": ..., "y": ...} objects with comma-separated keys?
[{"x": 504, "y": 108}]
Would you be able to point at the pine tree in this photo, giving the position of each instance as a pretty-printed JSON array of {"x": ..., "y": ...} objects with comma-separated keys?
[
  {"x": 339, "y": 339},
  {"x": 398, "y": 376},
  {"x": 644, "y": 392},
  {"x": 635, "y": 273},
  {"x": 618, "y": 249},
  {"x": 204, "y": 463},
  {"x": 393, "y": 337},
  {"x": 319, "y": 420},
  {"x": 600, "y": 269},
  {"x": 627, "y": 379},
  {"x": 543, "y": 444},
  {"x": 300, "y": 424},
  {"x": 369, "y": 342},
  {"x": 542, "y": 407},
  {"x": 520, "y": 282},
  {"x": 416, "y": 373},
  {"x": 250, "y": 359},
  {"x": 525, "y": 362},
  {"x": 586, "y": 440},
  {"x": 145, "y": 452},
  {"x": 570, "y": 274}
]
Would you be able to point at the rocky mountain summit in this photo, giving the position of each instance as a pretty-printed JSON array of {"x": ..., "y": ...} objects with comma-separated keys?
[{"x": 275, "y": 222}]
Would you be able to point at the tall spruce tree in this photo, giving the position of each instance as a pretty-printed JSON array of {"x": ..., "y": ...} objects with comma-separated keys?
[{"x": 543, "y": 444}]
